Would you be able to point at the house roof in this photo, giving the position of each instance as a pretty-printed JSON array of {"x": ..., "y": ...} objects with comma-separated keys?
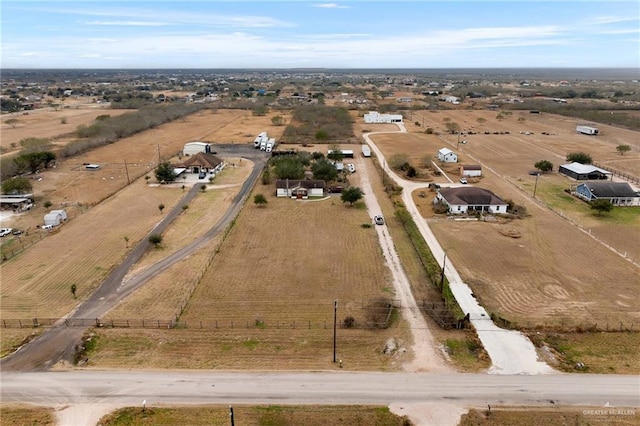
[
  {"x": 304, "y": 183},
  {"x": 582, "y": 169},
  {"x": 611, "y": 189},
  {"x": 445, "y": 151},
  {"x": 202, "y": 159},
  {"x": 470, "y": 195},
  {"x": 471, "y": 166}
]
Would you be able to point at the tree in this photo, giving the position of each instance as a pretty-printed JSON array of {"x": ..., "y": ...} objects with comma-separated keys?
[
  {"x": 544, "y": 165},
  {"x": 601, "y": 206},
  {"x": 155, "y": 239},
  {"x": 623, "y": 148},
  {"x": 324, "y": 170},
  {"x": 351, "y": 195},
  {"x": 74, "y": 288},
  {"x": 164, "y": 172},
  {"x": 160, "y": 207},
  {"x": 579, "y": 157},
  {"x": 335, "y": 154},
  {"x": 453, "y": 127},
  {"x": 47, "y": 204},
  {"x": 288, "y": 168},
  {"x": 17, "y": 185},
  {"x": 259, "y": 200},
  {"x": 277, "y": 120}
]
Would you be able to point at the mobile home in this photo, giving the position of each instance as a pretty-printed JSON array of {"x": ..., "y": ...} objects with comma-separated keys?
[
  {"x": 366, "y": 151},
  {"x": 587, "y": 130}
]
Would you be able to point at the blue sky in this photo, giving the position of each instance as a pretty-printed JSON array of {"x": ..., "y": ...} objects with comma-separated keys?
[{"x": 307, "y": 34}]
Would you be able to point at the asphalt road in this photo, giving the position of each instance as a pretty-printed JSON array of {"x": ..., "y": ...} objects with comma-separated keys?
[
  {"x": 59, "y": 342},
  {"x": 130, "y": 388}
]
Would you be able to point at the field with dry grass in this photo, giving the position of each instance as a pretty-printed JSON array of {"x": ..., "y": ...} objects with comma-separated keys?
[
  {"x": 549, "y": 273},
  {"x": 266, "y": 300},
  {"x": 557, "y": 416},
  {"x": 20, "y": 415},
  {"x": 257, "y": 415}
]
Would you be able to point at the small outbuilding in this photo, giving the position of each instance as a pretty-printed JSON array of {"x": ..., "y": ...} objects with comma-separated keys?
[
  {"x": 579, "y": 171},
  {"x": 373, "y": 117},
  {"x": 55, "y": 217},
  {"x": 447, "y": 156},
  {"x": 193, "y": 148},
  {"x": 470, "y": 170},
  {"x": 618, "y": 193}
]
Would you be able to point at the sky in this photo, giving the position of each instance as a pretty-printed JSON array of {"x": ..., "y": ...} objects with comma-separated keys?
[{"x": 308, "y": 34}]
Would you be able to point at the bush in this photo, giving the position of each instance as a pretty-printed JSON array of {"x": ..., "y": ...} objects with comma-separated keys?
[{"x": 349, "y": 322}]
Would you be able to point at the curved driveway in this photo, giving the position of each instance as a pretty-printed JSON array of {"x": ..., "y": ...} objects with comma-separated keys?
[
  {"x": 511, "y": 352},
  {"x": 58, "y": 343}
]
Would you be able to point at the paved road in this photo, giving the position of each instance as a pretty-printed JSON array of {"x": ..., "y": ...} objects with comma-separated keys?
[
  {"x": 130, "y": 388},
  {"x": 511, "y": 352},
  {"x": 58, "y": 343}
]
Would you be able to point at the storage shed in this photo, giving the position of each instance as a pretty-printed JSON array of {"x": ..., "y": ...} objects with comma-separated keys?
[
  {"x": 448, "y": 156},
  {"x": 55, "y": 217},
  {"x": 193, "y": 148},
  {"x": 375, "y": 117},
  {"x": 579, "y": 171},
  {"x": 470, "y": 170}
]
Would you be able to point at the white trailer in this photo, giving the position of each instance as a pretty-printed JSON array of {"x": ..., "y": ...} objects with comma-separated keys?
[
  {"x": 587, "y": 130},
  {"x": 271, "y": 144},
  {"x": 366, "y": 151},
  {"x": 263, "y": 144},
  {"x": 258, "y": 140}
]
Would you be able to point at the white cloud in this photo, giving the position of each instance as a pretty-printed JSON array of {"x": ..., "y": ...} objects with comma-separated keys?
[
  {"x": 128, "y": 23},
  {"x": 330, "y": 6}
]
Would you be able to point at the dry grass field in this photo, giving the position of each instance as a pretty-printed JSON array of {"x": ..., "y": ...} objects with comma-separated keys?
[
  {"x": 270, "y": 292},
  {"x": 555, "y": 274},
  {"x": 558, "y": 416},
  {"x": 21, "y": 415},
  {"x": 257, "y": 415},
  {"x": 47, "y": 123}
]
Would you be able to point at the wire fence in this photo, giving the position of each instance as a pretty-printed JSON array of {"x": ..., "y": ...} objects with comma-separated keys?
[{"x": 618, "y": 173}]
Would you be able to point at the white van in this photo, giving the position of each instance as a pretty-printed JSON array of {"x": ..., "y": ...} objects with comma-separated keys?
[{"x": 47, "y": 227}]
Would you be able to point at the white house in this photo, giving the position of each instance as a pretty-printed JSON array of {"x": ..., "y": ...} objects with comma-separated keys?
[
  {"x": 468, "y": 199},
  {"x": 300, "y": 188},
  {"x": 376, "y": 117},
  {"x": 448, "y": 156},
  {"x": 192, "y": 148},
  {"x": 470, "y": 170}
]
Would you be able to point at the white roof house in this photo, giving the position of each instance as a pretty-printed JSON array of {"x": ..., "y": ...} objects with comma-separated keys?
[
  {"x": 55, "y": 217},
  {"x": 376, "y": 117},
  {"x": 448, "y": 156}
]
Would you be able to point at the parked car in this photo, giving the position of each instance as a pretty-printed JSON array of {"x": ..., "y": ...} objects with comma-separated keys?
[
  {"x": 463, "y": 181},
  {"x": 378, "y": 219},
  {"x": 336, "y": 189},
  {"x": 351, "y": 167},
  {"x": 16, "y": 232},
  {"x": 5, "y": 231},
  {"x": 47, "y": 227}
]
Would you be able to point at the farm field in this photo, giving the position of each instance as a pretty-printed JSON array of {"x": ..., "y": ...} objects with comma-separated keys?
[
  {"x": 278, "y": 312},
  {"x": 540, "y": 278},
  {"x": 46, "y": 123}
]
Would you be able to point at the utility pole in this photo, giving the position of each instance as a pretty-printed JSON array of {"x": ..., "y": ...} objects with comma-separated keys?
[
  {"x": 335, "y": 322},
  {"x": 231, "y": 415}
]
